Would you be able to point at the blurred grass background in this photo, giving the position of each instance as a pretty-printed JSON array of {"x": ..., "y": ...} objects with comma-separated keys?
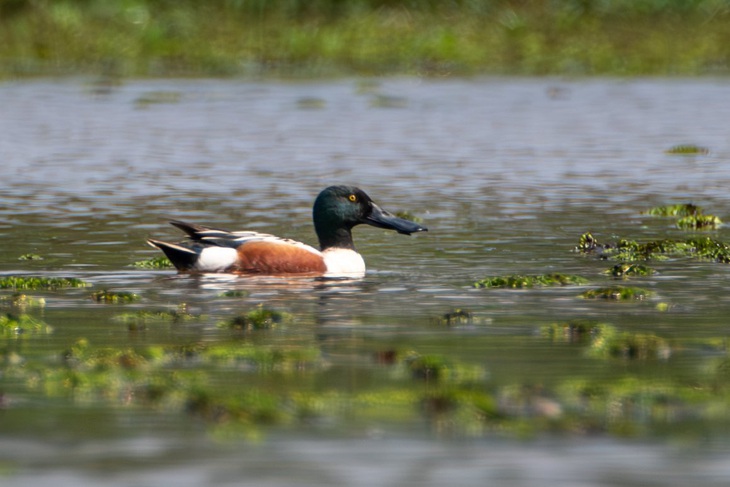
[{"x": 317, "y": 38}]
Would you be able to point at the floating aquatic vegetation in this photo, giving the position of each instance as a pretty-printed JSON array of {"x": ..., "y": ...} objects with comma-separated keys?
[
  {"x": 161, "y": 262},
  {"x": 139, "y": 318},
  {"x": 605, "y": 340},
  {"x": 710, "y": 249},
  {"x": 526, "y": 281},
  {"x": 282, "y": 359},
  {"x": 33, "y": 283},
  {"x": 456, "y": 317},
  {"x": 14, "y": 326},
  {"x": 260, "y": 318},
  {"x": 22, "y": 301},
  {"x": 620, "y": 293},
  {"x": 116, "y": 297},
  {"x": 575, "y": 331},
  {"x": 452, "y": 395},
  {"x": 691, "y": 216},
  {"x": 234, "y": 293},
  {"x": 432, "y": 368},
  {"x": 687, "y": 149},
  {"x": 699, "y": 222},
  {"x": 628, "y": 345},
  {"x": 30, "y": 257},
  {"x": 626, "y": 269},
  {"x": 427, "y": 367},
  {"x": 632, "y": 251},
  {"x": 682, "y": 209}
]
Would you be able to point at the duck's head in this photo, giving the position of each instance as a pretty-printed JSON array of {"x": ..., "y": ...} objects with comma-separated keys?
[{"x": 339, "y": 208}]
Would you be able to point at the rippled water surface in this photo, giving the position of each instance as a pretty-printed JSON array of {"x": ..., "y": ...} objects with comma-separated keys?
[{"x": 506, "y": 174}]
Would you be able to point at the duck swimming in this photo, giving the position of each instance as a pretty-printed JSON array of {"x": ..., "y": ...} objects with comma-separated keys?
[{"x": 336, "y": 211}]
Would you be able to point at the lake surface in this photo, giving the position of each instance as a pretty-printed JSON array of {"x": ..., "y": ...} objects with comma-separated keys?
[{"x": 506, "y": 173}]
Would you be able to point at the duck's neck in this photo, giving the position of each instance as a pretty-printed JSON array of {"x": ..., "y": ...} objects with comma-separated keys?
[{"x": 339, "y": 238}]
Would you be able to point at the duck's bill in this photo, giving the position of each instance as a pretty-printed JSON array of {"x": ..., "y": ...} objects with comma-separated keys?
[{"x": 383, "y": 219}]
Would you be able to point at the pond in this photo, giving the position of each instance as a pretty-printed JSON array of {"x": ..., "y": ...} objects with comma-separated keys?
[{"x": 409, "y": 376}]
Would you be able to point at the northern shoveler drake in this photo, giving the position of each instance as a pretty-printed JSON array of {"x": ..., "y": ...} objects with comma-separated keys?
[{"x": 336, "y": 211}]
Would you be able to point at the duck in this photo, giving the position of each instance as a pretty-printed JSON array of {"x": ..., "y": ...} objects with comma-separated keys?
[{"x": 337, "y": 209}]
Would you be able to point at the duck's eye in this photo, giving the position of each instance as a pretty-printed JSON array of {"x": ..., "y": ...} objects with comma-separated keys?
[{"x": 352, "y": 198}]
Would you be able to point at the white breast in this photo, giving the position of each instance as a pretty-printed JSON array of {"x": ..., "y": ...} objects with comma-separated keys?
[{"x": 343, "y": 263}]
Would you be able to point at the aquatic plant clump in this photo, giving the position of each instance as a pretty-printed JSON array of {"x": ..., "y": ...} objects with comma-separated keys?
[
  {"x": 619, "y": 293},
  {"x": 35, "y": 283},
  {"x": 161, "y": 262},
  {"x": 682, "y": 209},
  {"x": 575, "y": 331},
  {"x": 699, "y": 222},
  {"x": 261, "y": 318},
  {"x": 631, "y": 251},
  {"x": 626, "y": 270},
  {"x": 517, "y": 281},
  {"x": 692, "y": 217},
  {"x": 22, "y": 301},
  {"x": 30, "y": 257},
  {"x": 627, "y": 345},
  {"x": 457, "y": 316},
  {"x": 139, "y": 319},
  {"x": 687, "y": 149},
  {"x": 106, "y": 296},
  {"x": 14, "y": 326},
  {"x": 604, "y": 340},
  {"x": 185, "y": 379}
]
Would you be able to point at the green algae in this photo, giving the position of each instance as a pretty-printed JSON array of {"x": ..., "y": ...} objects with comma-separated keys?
[
  {"x": 611, "y": 343},
  {"x": 35, "y": 283},
  {"x": 234, "y": 293},
  {"x": 692, "y": 217},
  {"x": 161, "y": 262},
  {"x": 260, "y": 318},
  {"x": 705, "y": 248},
  {"x": 30, "y": 257},
  {"x": 681, "y": 209},
  {"x": 22, "y": 325},
  {"x": 626, "y": 270},
  {"x": 574, "y": 331},
  {"x": 115, "y": 297},
  {"x": 699, "y": 222},
  {"x": 457, "y": 317},
  {"x": 687, "y": 149},
  {"x": 413, "y": 387},
  {"x": 618, "y": 293},
  {"x": 22, "y": 301},
  {"x": 138, "y": 320},
  {"x": 517, "y": 281},
  {"x": 606, "y": 341}
]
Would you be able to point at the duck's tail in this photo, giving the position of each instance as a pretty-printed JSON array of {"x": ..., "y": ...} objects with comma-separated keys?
[{"x": 183, "y": 258}]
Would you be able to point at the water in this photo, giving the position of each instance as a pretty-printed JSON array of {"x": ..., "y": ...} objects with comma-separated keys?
[{"x": 506, "y": 173}]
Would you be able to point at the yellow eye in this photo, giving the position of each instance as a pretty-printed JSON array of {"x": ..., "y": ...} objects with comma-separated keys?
[{"x": 352, "y": 198}]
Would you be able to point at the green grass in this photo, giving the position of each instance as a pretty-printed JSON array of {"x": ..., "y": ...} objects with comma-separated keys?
[{"x": 363, "y": 37}]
